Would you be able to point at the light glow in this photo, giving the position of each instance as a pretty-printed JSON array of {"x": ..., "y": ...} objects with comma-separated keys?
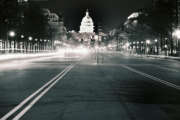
[
  {"x": 148, "y": 41},
  {"x": 22, "y": 36},
  {"x": 134, "y": 15},
  {"x": 87, "y": 25},
  {"x": 30, "y": 38},
  {"x": 74, "y": 52},
  {"x": 176, "y": 33},
  {"x": 12, "y": 33}
]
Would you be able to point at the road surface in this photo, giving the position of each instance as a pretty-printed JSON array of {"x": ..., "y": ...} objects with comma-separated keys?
[{"x": 118, "y": 87}]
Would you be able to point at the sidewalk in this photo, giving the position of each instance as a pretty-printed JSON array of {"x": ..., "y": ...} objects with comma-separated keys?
[
  {"x": 158, "y": 56},
  {"x": 19, "y": 56}
]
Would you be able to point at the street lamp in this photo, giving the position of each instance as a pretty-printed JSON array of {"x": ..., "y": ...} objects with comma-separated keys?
[
  {"x": 166, "y": 49},
  {"x": 165, "y": 46},
  {"x": 22, "y": 36},
  {"x": 176, "y": 34},
  {"x": 142, "y": 46},
  {"x": 12, "y": 44},
  {"x": 156, "y": 46},
  {"x": 30, "y": 38},
  {"x": 147, "y": 43},
  {"x": 22, "y": 43},
  {"x": 30, "y": 44},
  {"x": 12, "y": 34},
  {"x": 156, "y": 40}
]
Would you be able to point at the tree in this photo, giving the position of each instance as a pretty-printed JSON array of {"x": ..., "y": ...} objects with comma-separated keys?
[
  {"x": 8, "y": 13},
  {"x": 153, "y": 23},
  {"x": 161, "y": 19},
  {"x": 35, "y": 23},
  {"x": 138, "y": 28}
]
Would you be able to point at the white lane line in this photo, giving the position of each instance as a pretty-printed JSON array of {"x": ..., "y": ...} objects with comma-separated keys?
[
  {"x": 155, "y": 65},
  {"x": 35, "y": 100},
  {"x": 165, "y": 68},
  {"x": 11, "y": 112},
  {"x": 152, "y": 77}
]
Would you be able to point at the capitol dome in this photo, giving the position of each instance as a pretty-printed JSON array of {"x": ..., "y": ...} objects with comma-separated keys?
[{"x": 87, "y": 25}]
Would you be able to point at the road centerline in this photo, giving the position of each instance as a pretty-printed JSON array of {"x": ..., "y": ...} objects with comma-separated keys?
[
  {"x": 36, "y": 99},
  {"x": 26, "y": 100}
]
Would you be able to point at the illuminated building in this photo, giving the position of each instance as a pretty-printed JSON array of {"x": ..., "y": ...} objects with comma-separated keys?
[
  {"x": 22, "y": 1},
  {"x": 87, "y": 25}
]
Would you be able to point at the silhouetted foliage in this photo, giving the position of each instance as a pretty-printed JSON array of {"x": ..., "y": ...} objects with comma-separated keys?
[
  {"x": 162, "y": 17},
  {"x": 8, "y": 15},
  {"x": 27, "y": 19},
  {"x": 35, "y": 22}
]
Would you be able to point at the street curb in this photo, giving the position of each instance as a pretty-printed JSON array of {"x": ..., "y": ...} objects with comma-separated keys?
[{"x": 6, "y": 57}]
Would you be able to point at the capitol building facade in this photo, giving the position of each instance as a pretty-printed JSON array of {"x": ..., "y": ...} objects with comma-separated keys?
[
  {"x": 86, "y": 32},
  {"x": 87, "y": 25}
]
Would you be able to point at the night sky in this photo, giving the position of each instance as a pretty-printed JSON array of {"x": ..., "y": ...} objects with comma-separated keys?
[{"x": 108, "y": 13}]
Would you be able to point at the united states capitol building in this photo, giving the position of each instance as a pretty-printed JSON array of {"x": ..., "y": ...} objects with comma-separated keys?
[
  {"x": 87, "y": 25},
  {"x": 86, "y": 32}
]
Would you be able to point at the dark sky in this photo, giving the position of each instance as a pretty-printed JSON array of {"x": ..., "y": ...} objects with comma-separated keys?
[{"x": 109, "y": 13}]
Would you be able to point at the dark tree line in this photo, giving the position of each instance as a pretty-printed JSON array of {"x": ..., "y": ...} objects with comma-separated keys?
[
  {"x": 156, "y": 22},
  {"x": 27, "y": 19},
  {"x": 8, "y": 12}
]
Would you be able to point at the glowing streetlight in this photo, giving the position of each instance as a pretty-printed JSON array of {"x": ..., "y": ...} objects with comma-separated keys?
[
  {"x": 30, "y": 38},
  {"x": 148, "y": 41},
  {"x": 22, "y": 36},
  {"x": 127, "y": 44},
  {"x": 12, "y": 34},
  {"x": 176, "y": 33},
  {"x": 166, "y": 46}
]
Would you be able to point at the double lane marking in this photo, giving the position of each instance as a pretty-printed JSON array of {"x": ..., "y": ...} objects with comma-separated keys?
[
  {"x": 169, "y": 84},
  {"x": 35, "y": 97}
]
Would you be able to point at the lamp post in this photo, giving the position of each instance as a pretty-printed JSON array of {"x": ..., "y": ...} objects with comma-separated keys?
[
  {"x": 142, "y": 47},
  {"x": 176, "y": 35},
  {"x": 147, "y": 46},
  {"x": 36, "y": 44},
  {"x": 22, "y": 44},
  {"x": 166, "y": 49},
  {"x": 11, "y": 34},
  {"x": 30, "y": 44},
  {"x": 45, "y": 44},
  {"x": 156, "y": 47}
]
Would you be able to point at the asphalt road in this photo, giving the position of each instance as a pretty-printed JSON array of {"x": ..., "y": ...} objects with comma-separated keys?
[{"x": 118, "y": 87}]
